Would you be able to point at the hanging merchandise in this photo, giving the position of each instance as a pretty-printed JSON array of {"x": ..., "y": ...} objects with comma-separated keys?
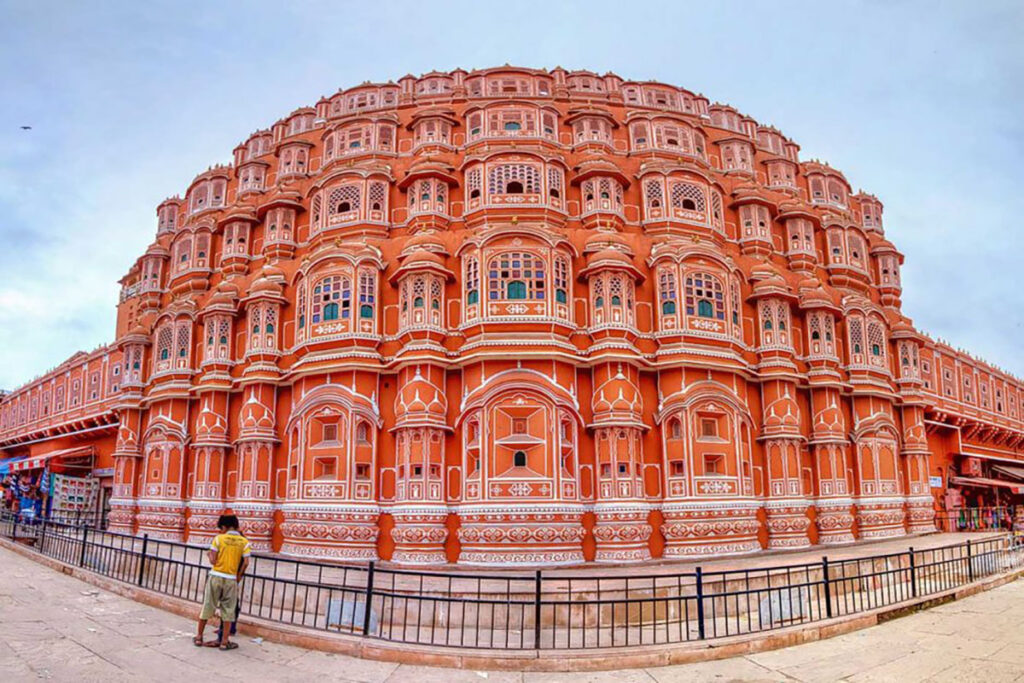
[{"x": 74, "y": 494}]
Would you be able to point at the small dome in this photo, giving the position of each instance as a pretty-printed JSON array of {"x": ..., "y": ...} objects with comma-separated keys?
[
  {"x": 813, "y": 295},
  {"x": 421, "y": 401},
  {"x": 617, "y": 398},
  {"x": 264, "y": 285},
  {"x": 602, "y": 239},
  {"x": 425, "y": 241},
  {"x": 421, "y": 257},
  {"x": 768, "y": 280}
]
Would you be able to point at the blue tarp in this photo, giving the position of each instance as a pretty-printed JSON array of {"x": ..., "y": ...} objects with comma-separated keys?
[{"x": 5, "y": 465}]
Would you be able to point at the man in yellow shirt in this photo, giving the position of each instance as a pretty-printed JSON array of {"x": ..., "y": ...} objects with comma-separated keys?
[{"x": 229, "y": 557}]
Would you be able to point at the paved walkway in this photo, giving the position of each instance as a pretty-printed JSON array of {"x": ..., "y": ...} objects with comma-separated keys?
[{"x": 56, "y": 627}]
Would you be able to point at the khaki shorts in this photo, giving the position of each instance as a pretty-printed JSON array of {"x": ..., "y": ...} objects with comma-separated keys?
[{"x": 220, "y": 594}]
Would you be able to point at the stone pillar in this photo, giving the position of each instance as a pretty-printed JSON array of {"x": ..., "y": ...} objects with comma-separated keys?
[
  {"x": 786, "y": 507},
  {"x": 920, "y": 505},
  {"x": 834, "y": 501},
  {"x": 621, "y": 529},
  {"x": 420, "y": 513},
  {"x": 127, "y": 456},
  {"x": 208, "y": 455}
]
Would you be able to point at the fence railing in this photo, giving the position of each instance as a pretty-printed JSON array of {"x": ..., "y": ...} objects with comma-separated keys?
[{"x": 532, "y": 610}]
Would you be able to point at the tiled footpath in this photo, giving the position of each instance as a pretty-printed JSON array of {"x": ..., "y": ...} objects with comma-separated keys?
[{"x": 56, "y": 627}]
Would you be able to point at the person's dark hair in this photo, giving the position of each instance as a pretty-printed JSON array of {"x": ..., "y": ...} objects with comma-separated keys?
[{"x": 228, "y": 522}]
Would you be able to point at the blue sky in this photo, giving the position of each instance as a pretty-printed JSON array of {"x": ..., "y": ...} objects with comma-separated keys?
[{"x": 917, "y": 102}]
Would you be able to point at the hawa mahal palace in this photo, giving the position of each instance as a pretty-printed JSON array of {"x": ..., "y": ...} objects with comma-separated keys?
[{"x": 518, "y": 317}]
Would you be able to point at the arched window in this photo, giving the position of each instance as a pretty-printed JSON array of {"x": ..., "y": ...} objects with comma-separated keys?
[
  {"x": 332, "y": 298},
  {"x": 876, "y": 340},
  {"x": 561, "y": 280},
  {"x": 516, "y": 275},
  {"x": 688, "y": 200},
  {"x": 667, "y": 291},
  {"x": 513, "y": 125},
  {"x": 755, "y": 221},
  {"x": 472, "y": 281},
  {"x": 704, "y": 296},
  {"x": 513, "y": 179},
  {"x": 654, "y": 194},
  {"x": 857, "y": 251},
  {"x": 855, "y": 323},
  {"x": 641, "y": 135},
  {"x": 554, "y": 183},
  {"x": 367, "y": 294},
  {"x": 519, "y": 459},
  {"x": 343, "y": 203}
]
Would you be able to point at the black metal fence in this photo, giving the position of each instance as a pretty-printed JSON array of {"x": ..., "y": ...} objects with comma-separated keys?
[{"x": 529, "y": 610}]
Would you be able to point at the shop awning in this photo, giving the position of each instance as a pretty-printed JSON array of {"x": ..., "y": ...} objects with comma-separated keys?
[
  {"x": 1010, "y": 471},
  {"x": 39, "y": 461},
  {"x": 1014, "y": 486},
  {"x": 6, "y": 465}
]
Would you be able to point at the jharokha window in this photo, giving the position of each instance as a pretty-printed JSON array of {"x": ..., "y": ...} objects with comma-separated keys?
[
  {"x": 601, "y": 194},
  {"x": 612, "y": 299},
  {"x": 516, "y": 183},
  {"x": 192, "y": 252},
  {"x": 704, "y": 296},
  {"x": 420, "y": 301},
  {"x": 209, "y": 194},
  {"x": 172, "y": 346},
  {"x": 516, "y": 276},
  {"x": 428, "y": 196},
  {"x": 332, "y": 299},
  {"x": 867, "y": 342},
  {"x": 704, "y": 302},
  {"x": 338, "y": 303},
  {"x": 360, "y": 138},
  {"x": 349, "y": 202},
  {"x": 519, "y": 282},
  {"x": 513, "y": 122}
]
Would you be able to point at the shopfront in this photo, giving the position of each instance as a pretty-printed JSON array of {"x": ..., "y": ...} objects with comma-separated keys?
[{"x": 59, "y": 484}]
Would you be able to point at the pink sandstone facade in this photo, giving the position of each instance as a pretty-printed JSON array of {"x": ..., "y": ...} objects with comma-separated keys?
[{"x": 519, "y": 317}]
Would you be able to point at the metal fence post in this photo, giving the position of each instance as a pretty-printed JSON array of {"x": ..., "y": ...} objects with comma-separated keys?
[
  {"x": 369, "y": 599},
  {"x": 828, "y": 586},
  {"x": 85, "y": 539},
  {"x": 536, "y": 610},
  {"x": 913, "y": 574},
  {"x": 970, "y": 565},
  {"x": 700, "y": 603},
  {"x": 142, "y": 557},
  {"x": 42, "y": 537}
]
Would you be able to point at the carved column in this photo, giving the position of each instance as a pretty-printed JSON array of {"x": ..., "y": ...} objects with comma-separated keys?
[
  {"x": 127, "y": 458},
  {"x": 420, "y": 512},
  {"x": 254, "y": 449},
  {"x": 621, "y": 529}
]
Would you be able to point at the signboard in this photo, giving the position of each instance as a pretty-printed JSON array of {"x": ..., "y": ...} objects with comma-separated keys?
[
  {"x": 935, "y": 482},
  {"x": 103, "y": 472}
]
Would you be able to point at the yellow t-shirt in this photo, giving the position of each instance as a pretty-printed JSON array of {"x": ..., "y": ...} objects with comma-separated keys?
[{"x": 231, "y": 548}]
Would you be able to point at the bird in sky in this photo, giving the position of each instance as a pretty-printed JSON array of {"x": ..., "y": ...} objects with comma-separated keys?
[{"x": 26, "y": 127}]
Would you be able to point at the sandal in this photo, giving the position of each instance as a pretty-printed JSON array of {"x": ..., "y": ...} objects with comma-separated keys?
[
  {"x": 198, "y": 642},
  {"x": 229, "y": 646}
]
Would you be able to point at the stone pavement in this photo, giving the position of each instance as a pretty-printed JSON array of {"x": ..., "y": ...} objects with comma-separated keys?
[{"x": 56, "y": 627}]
